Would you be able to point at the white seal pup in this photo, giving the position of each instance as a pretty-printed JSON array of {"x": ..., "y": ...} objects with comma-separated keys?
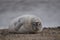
[{"x": 26, "y": 24}]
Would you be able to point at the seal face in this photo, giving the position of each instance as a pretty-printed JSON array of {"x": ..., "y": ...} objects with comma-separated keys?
[
  {"x": 35, "y": 26},
  {"x": 26, "y": 24}
]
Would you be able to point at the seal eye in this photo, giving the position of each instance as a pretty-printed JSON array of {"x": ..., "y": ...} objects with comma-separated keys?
[{"x": 36, "y": 23}]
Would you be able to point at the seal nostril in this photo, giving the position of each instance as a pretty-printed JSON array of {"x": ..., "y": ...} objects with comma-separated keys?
[{"x": 39, "y": 24}]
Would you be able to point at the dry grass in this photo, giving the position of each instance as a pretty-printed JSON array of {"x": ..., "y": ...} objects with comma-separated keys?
[{"x": 46, "y": 34}]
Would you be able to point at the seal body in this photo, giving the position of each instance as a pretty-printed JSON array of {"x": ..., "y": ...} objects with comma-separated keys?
[{"x": 26, "y": 24}]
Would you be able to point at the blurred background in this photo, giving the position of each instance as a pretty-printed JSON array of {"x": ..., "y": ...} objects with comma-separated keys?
[{"x": 47, "y": 10}]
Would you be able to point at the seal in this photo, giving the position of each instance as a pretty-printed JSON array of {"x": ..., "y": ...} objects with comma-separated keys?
[{"x": 26, "y": 24}]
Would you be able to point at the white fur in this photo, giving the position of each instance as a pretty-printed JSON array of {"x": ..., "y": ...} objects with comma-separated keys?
[{"x": 26, "y": 21}]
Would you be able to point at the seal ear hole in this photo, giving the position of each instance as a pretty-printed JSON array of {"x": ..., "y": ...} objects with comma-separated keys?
[
  {"x": 34, "y": 23},
  {"x": 18, "y": 20},
  {"x": 15, "y": 24}
]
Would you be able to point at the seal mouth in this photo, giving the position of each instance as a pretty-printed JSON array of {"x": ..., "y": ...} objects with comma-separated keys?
[{"x": 36, "y": 29}]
